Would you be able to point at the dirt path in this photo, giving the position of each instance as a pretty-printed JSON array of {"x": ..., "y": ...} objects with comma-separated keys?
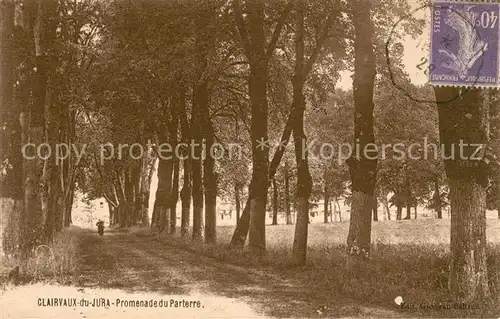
[{"x": 132, "y": 263}]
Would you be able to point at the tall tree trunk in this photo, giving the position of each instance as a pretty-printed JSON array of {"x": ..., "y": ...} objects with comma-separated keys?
[
  {"x": 50, "y": 176},
  {"x": 154, "y": 215},
  {"x": 333, "y": 211},
  {"x": 203, "y": 44},
  {"x": 111, "y": 212},
  {"x": 258, "y": 53},
  {"x": 498, "y": 204},
  {"x": 304, "y": 179},
  {"x": 494, "y": 115},
  {"x": 11, "y": 187},
  {"x": 386, "y": 206},
  {"x": 117, "y": 210},
  {"x": 7, "y": 80},
  {"x": 340, "y": 211},
  {"x": 464, "y": 121},
  {"x": 186, "y": 198},
  {"x": 117, "y": 195},
  {"x": 67, "y": 166},
  {"x": 408, "y": 195},
  {"x": 241, "y": 231},
  {"x": 186, "y": 186},
  {"x": 237, "y": 194},
  {"x": 437, "y": 199},
  {"x": 135, "y": 176},
  {"x": 29, "y": 212},
  {"x": 146, "y": 189},
  {"x": 468, "y": 240},
  {"x": 197, "y": 190},
  {"x": 254, "y": 44},
  {"x": 167, "y": 166},
  {"x": 142, "y": 187},
  {"x": 260, "y": 153},
  {"x": 326, "y": 196},
  {"x": 201, "y": 98},
  {"x": 129, "y": 211},
  {"x": 69, "y": 205},
  {"x": 175, "y": 197},
  {"x": 33, "y": 126},
  {"x": 162, "y": 205},
  {"x": 173, "y": 133},
  {"x": 362, "y": 169},
  {"x": 399, "y": 211},
  {"x": 210, "y": 183},
  {"x": 45, "y": 35},
  {"x": 408, "y": 198},
  {"x": 288, "y": 212},
  {"x": 408, "y": 210},
  {"x": 275, "y": 202},
  {"x": 304, "y": 187}
]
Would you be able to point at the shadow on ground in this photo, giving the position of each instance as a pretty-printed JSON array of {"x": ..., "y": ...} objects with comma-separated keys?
[{"x": 132, "y": 263}]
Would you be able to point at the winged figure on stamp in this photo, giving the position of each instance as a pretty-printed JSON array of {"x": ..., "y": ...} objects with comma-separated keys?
[{"x": 470, "y": 46}]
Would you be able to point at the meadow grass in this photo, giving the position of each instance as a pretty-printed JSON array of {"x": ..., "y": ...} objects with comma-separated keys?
[
  {"x": 409, "y": 259},
  {"x": 50, "y": 263}
]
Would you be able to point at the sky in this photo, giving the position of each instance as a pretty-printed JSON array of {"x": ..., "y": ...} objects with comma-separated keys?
[{"x": 414, "y": 51}]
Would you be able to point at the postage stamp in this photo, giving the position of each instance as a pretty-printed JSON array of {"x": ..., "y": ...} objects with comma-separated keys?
[{"x": 464, "y": 44}]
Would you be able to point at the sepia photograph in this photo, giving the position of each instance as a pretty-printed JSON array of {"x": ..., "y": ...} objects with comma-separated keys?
[{"x": 249, "y": 159}]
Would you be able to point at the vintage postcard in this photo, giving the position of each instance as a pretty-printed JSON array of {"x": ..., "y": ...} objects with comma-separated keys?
[{"x": 249, "y": 159}]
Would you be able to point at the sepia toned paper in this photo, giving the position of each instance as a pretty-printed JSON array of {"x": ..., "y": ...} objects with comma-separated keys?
[{"x": 249, "y": 159}]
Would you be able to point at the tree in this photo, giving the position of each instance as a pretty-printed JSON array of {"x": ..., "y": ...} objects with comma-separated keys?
[
  {"x": 303, "y": 67},
  {"x": 326, "y": 197},
  {"x": 493, "y": 192},
  {"x": 240, "y": 234},
  {"x": 288, "y": 213},
  {"x": 186, "y": 183},
  {"x": 258, "y": 52},
  {"x": 363, "y": 168},
  {"x": 11, "y": 191},
  {"x": 203, "y": 43},
  {"x": 438, "y": 201},
  {"x": 304, "y": 180},
  {"x": 175, "y": 195},
  {"x": 38, "y": 217},
  {"x": 51, "y": 42},
  {"x": 275, "y": 201},
  {"x": 462, "y": 123}
]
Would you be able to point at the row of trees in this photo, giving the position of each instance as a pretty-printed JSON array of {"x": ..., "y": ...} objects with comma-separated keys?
[
  {"x": 45, "y": 53},
  {"x": 130, "y": 83}
]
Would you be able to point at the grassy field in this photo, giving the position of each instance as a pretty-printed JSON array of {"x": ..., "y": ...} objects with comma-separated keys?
[
  {"x": 54, "y": 263},
  {"x": 409, "y": 259},
  {"x": 420, "y": 232}
]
